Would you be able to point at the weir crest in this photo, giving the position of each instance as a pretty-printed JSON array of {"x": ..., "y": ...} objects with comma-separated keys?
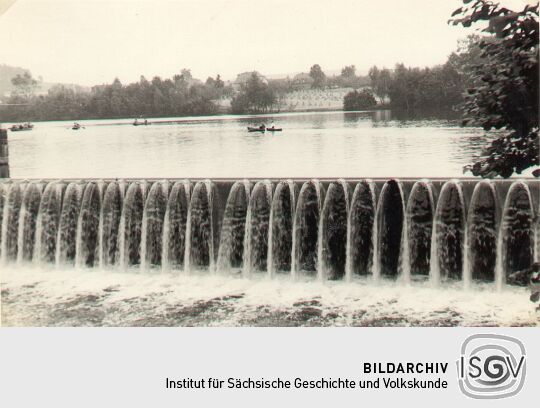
[{"x": 441, "y": 230}]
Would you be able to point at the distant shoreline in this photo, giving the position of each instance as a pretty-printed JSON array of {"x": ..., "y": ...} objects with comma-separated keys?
[
  {"x": 214, "y": 115},
  {"x": 152, "y": 119}
]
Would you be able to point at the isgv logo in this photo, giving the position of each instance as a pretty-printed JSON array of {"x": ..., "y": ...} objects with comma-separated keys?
[{"x": 491, "y": 366}]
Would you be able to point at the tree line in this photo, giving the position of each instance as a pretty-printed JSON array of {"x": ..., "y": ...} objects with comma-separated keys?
[
  {"x": 256, "y": 95},
  {"x": 435, "y": 88},
  {"x": 180, "y": 95},
  {"x": 439, "y": 87}
]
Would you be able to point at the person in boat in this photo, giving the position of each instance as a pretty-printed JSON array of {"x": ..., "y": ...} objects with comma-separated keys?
[
  {"x": 262, "y": 126},
  {"x": 272, "y": 126}
]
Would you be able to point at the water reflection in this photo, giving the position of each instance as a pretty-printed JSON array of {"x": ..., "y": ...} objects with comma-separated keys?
[
  {"x": 316, "y": 144},
  {"x": 353, "y": 119},
  {"x": 401, "y": 118},
  {"x": 381, "y": 115}
]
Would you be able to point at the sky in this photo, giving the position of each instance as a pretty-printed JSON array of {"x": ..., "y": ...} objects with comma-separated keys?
[{"x": 91, "y": 42}]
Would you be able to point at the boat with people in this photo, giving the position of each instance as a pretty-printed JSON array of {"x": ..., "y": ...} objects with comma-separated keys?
[
  {"x": 22, "y": 127},
  {"x": 264, "y": 128},
  {"x": 141, "y": 123}
]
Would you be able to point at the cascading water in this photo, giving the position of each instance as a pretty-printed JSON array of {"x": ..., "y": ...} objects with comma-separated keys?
[
  {"x": 3, "y": 193},
  {"x": 145, "y": 187},
  {"x": 88, "y": 227},
  {"x": 537, "y": 237},
  {"x": 111, "y": 212},
  {"x": 420, "y": 211},
  {"x": 361, "y": 230},
  {"x": 305, "y": 251},
  {"x": 334, "y": 230},
  {"x": 27, "y": 221},
  {"x": 48, "y": 220},
  {"x": 174, "y": 226},
  {"x": 66, "y": 247},
  {"x": 322, "y": 230},
  {"x": 10, "y": 224},
  {"x": 390, "y": 218},
  {"x": 281, "y": 227},
  {"x": 404, "y": 262},
  {"x": 449, "y": 233},
  {"x": 129, "y": 236},
  {"x": 4, "y": 190},
  {"x": 233, "y": 230},
  {"x": 200, "y": 228},
  {"x": 516, "y": 232},
  {"x": 152, "y": 224},
  {"x": 482, "y": 225},
  {"x": 257, "y": 228}
]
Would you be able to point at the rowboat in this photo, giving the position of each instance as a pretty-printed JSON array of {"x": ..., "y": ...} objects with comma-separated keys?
[
  {"x": 262, "y": 129},
  {"x": 255, "y": 129},
  {"x": 21, "y": 128}
]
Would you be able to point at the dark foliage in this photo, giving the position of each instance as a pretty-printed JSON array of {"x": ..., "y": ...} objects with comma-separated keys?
[
  {"x": 255, "y": 96},
  {"x": 348, "y": 79},
  {"x": 24, "y": 85},
  {"x": 380, "y": 81},
  {"x": 359, "y": 100},
  {"x": 319, "y": 77},
  {"x": 504, "y": 86},
  {"x": 436, "y": 88},
  {"x": 180, "y": 96}
]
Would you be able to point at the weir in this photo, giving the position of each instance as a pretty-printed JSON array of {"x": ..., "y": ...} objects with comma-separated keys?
[
  {"x": 4, "y": 154},
  {"x": 399, "y": 229}
]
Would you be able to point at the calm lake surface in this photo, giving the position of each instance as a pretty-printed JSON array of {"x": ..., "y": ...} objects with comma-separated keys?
[{"x": 322, "y": 144}]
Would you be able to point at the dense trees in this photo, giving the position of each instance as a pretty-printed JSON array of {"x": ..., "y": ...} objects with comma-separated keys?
[
  {"x": 435, "y": 88},
  {"x": 7, "y": 73},
  {"x": 359, "y": 100},
  {"x": 319, "y": 77},
  {"x": 503, "y": 90},
  {"x": 348, "y": 79},
  {"x": 438, "y": 88},
  {"x": 380, "y": 82},
  {"x": 178, "y": 96},
  {"x": 348, "y": 71},
  {"x": 215, "y": 83},
  {"x": 24, "y": 85},
  {"x": 255, "y": 96}
]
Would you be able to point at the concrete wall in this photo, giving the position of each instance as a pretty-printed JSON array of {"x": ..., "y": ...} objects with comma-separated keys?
[{"x": 4, "y": 155}]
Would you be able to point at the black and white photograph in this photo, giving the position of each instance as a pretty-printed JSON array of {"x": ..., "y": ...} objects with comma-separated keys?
[{"x": 262, "y": 163}]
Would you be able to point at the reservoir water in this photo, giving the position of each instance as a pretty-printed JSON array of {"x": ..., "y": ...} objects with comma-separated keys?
[{"x": 322, "y": 144}]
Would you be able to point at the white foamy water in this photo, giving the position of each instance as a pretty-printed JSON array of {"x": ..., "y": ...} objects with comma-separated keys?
[{"x": 48, "y": 296}]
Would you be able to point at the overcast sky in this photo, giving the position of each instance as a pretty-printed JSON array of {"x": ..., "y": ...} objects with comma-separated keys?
[{"x": 93, "y": 41}]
